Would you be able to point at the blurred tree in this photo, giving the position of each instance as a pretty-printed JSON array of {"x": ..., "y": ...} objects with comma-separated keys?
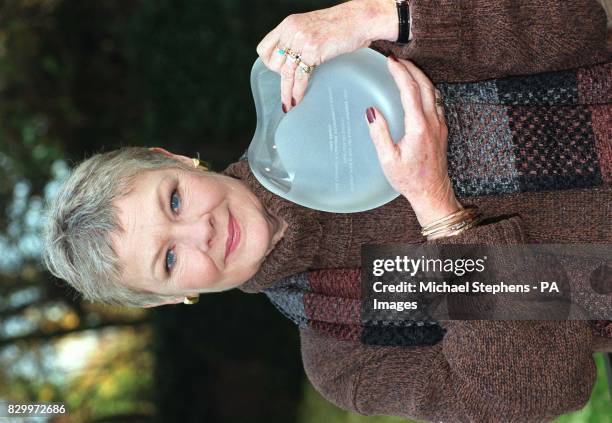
[
  {"x": 116, "y": 381},
  {"x": 77, "y": 77}
]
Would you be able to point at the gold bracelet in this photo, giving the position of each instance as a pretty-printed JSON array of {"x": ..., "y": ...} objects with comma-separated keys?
[
  {"x": 453, "y": 222},
  {"x": 457, "y": 229},
  {"x": 445, "y": 218},
  {"x": 451, "y": 219},
  {"x": 466, "y": 215},
  {"x": 470, "y": 225}
]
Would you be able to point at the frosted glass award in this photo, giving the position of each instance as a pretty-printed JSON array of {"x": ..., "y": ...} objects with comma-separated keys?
[{"x": 320, "y": 154}]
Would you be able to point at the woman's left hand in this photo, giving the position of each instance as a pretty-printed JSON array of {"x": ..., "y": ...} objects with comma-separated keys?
[
  {"x": 322, "y": 35},
  {"x": 416, "y": 166}
]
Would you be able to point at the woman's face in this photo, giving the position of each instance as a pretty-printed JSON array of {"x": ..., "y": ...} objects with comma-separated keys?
[{"x": 190, "y": 232}]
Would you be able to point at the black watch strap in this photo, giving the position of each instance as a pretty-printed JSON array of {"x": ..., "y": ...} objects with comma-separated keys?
[{"x": 403, "y": 15}]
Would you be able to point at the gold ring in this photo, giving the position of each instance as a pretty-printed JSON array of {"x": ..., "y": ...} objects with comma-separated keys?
[
  {"x": 293, "y": 56},
  {"x": 304, "y": 68},
  {"x": 438, "y": 98}
]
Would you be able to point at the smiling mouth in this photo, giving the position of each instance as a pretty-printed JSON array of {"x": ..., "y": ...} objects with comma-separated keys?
[{"x": 233, "y": 235}]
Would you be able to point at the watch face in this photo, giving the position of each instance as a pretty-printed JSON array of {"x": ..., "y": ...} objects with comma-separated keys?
[{"x": 320, "y": 154}]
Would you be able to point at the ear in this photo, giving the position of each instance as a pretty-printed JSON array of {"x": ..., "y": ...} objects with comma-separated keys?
[
  {"x": 176, "y": 300},
  {"x": 186, "y": 160}
]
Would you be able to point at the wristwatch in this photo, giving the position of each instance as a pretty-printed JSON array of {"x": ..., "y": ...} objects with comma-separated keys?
[{"x": 403, "y": 15}]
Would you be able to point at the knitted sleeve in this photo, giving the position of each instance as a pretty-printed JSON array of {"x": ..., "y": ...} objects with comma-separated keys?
[
  {"x": 485, "y": 371},
  {"x": 471, "y": 40}
]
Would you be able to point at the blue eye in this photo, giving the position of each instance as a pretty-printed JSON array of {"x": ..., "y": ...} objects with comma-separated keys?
[
  {"x": 175, "y": 201},
  {"x": 170, "y": 260},
  {"x": 175, "y": 205}
]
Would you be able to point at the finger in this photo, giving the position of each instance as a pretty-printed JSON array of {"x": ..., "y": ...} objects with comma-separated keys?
[
  {"x": 282, "y": 52},
  {"x": 278, "y": 58},
  {"x": 439, "y": 107},
  {"x": 287, "y": 81},
  {"x": 414, "y": 118},
  {"x": 386, "y": 150},
  {"x": 267, "y": 47},
  {"x": 441, "y": 116},
  {"x": 299, "y": 86},
  {"x": 426, "y": 88}
]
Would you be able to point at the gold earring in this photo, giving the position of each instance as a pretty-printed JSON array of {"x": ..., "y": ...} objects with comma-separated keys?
[
  {"x": 198, "y": 163},
  {"x": 191, "y": 300}
]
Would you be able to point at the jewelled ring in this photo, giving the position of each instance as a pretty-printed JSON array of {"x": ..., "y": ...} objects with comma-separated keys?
[
  {"x": 293, "y": 56},
  {"x": 304, "y": 68}
]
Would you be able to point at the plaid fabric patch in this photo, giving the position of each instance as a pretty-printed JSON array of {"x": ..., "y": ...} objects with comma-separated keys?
[
  {"x": 553, "y": 88},
  {"x": 481, "y": 156},
  {"x": 530, "y": 133},
  {"x": 410, "y": 335},
  {"x": 595, "y": 84},
  {"x": 329, "y": 301},
  {"x": 601, "y": 115},
  {"x": 554, "y": 147}
]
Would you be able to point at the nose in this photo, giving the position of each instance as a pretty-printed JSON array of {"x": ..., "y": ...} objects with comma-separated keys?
[{"x": 198, "y": 232}]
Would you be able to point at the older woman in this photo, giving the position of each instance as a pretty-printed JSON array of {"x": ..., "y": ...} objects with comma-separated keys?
[{"x": 145, "y": 227}]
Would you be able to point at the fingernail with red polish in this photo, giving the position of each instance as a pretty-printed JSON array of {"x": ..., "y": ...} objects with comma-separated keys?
[
  {"x": 284, "y": 108},
  {"x": 293, "y": 102},
  {"x": 392, "y": 57},
  {"x": 371, "y": 114}
]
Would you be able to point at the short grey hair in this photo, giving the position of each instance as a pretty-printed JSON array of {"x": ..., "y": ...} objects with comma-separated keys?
[{"x": 82, "y": 218}]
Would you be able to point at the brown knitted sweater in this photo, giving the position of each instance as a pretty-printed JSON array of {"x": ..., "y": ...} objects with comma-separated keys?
[{"x": 482, "y": 371}]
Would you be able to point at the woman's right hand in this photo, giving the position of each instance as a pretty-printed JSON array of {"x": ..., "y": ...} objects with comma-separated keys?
[
  {"x": 321, "y": 35},
  {"x": 416, "y": 166}
]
